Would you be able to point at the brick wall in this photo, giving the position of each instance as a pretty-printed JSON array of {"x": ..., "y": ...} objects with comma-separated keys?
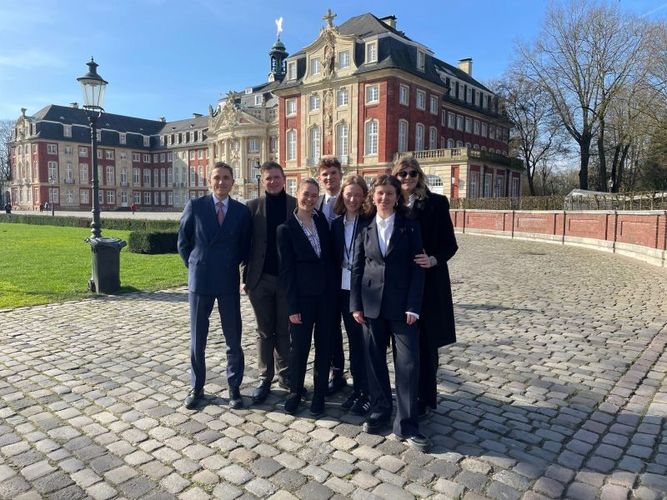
[{"x": 642, "y": 235}]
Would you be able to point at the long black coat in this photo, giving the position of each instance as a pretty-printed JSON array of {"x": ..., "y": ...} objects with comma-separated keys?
[{"x": 437, "y": 317}]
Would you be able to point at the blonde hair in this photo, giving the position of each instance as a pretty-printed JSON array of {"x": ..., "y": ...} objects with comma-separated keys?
[
  {"x": 356, "y": 180},
  {"x": 421, "y": 191}
]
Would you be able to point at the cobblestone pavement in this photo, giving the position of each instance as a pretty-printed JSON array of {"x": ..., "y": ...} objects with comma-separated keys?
[{"x": 556, "y": 388}]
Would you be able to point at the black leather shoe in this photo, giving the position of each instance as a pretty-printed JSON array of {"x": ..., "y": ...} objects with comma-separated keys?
[
  {"x": 349, "y": 402},
  {"x": 361, "y": 406},
  {"x": 375, "y": 423},
  {"x": 292, "y": 403},
  {"x": 235, "y": 399},
  {"x": 193, "y": 398},
  {"x": 417, "y": 441},
  {"x": 336, "y": 383},
  {"x": 261, "y": 392}
]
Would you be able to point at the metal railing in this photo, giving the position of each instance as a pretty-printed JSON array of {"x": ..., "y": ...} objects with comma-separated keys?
[{"x": 598, "y": 201}]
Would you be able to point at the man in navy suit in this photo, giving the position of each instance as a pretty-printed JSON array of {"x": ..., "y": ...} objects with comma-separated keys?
[{"x": 213, "y": 240}]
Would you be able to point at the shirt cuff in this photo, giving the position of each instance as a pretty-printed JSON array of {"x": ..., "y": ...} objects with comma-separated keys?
[
  {"x": 415, "y": 315},
  {"x": 433, "y": 261}
]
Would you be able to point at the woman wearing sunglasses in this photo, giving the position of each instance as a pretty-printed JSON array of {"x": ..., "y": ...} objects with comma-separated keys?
[
  {"x": 385, "y": 296},
  {"x": 436, "y": 321}
]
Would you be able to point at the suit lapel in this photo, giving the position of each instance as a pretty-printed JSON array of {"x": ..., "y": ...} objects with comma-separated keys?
[
  {"x": 373, "y": 239},
  {"x": 396, "y": 235}
]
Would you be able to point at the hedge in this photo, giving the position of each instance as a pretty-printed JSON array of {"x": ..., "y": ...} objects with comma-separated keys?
[
  {"x": 152, "y": 242},
  {"x": 120, "y": 224}
]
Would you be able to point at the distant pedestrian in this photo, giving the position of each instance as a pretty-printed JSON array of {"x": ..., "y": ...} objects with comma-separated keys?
[
  {"x": 8, "y": 208},
  {"x": 46, "y": 206},
  {"x": 41, "y": 207},
  {"x": 133, "y": 207}
]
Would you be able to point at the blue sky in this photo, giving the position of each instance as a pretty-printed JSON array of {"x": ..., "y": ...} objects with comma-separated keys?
[{"x": 172, "y": 58}]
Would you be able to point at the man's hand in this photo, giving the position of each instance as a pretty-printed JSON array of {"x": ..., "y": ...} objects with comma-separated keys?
[
  {"x": 359, "y": 317},
  {"x": 423, "y": 260},
  {"x": 295, "y": 319}
]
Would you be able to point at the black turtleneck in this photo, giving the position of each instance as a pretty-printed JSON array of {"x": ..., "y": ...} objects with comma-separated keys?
[{"x": 276, "y": 214}]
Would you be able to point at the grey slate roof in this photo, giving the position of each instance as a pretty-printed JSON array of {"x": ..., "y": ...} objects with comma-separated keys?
[
  {"x": 69, "y": 116},
  {"x": 392, "y": 53},
  {"x": 194, "y": 123}
]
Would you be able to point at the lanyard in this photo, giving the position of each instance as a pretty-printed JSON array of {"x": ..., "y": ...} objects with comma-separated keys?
[{"x": 348, "y": 250}]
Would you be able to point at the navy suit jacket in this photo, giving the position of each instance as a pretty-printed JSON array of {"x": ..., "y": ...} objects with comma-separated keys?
[
  {"x": 302, "y": 272},
  {"x": 338, "y": 241},
  {"x": 213, "y": 253},
  {"x": 391, "y": 285}
]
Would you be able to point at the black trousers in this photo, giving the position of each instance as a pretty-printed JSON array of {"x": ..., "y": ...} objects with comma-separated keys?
[
  {"x": 428, "y": 372},
  {"x": 317, "y": 320},
  {"x": 406, "y": 366},
  {"x": 337, "y": 353},
  {"x": 355, "y": 344}
]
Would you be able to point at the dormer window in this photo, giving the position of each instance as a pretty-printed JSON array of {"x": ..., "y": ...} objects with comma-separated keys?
[
  {"x": 343, "y": 59},
  {"x": 291, "y": 70},
  {"x": 421, "y": 60},
  {"x": 122, "y": 138},
  {"x": 67, "y": 130},
  {"x": 371, "y": 51},
  {"x": 315, "y": 66},
  {"x": 258, "y": 100}
]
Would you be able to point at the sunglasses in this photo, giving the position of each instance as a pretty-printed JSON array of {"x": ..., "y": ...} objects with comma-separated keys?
[{"x": 404, "y": 173}]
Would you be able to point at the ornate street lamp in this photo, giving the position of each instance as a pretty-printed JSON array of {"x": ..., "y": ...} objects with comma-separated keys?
[
  {"x": 259, "y": 179},
  {"x": 93, "y": 86}
]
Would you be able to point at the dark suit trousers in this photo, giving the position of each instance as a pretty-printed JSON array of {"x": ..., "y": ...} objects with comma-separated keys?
[
  {"x": 355, "y": 344},
  {"x": 406, "y": 367},
  {"x": 337, "y": 354},
  {"x": 229, "y": 308},
  {"x": 316, "y": 312},
  {"x": 270, "y": 305}
]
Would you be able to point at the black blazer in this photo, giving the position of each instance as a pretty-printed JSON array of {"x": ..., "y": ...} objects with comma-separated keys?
[
  {"x": 338, "y": 241},
  {"x": 302, "y": 272},
  {"x": 392, "y": 285},
  {"x": 437, "y": 319}
]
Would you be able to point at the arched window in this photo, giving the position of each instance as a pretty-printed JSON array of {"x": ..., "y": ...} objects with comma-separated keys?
[
  {"x": 432, "y": 138},
  {"x": 402, "y": 135},
  {"x": 342, "y": 141},
  {"x": 291, "y": 145},
  {"x": 314, "y": 144},
  {"x": 371, "y": 137},
  {"x": 419, "y": 137}
]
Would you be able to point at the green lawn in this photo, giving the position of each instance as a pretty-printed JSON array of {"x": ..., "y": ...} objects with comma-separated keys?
[{"x": 43, "y": 264}]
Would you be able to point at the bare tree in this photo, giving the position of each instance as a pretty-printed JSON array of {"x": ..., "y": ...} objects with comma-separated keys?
[
  {"x": 6, "y": 128},
  {"x": 536, "y": 136},
  {"x": 585, "y": 55}
]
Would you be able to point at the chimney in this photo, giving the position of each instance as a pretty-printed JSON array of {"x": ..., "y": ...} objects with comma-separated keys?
[
  {"x": 74, "y": 105},
  {"x": 163, "y": 119},
  {"x": 196, "y": 115},
  {"x": 465, "y": 65},
  {"x": 23, "y": 110},
  {"x": 390, "y": 20}
]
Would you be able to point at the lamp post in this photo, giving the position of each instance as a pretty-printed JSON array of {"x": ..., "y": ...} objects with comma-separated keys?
[
  {"x": 93, "y": 87},
  {"x": 259, "y": 179},
  {"x": 52, "y": 181}
]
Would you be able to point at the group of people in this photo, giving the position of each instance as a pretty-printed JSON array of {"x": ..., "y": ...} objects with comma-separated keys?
[{"x": 374, "y": 257}]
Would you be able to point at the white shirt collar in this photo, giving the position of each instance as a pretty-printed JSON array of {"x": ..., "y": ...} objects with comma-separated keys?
[
  {"x": 225, "y": 202},
  {"x": 389, "y": 221}
]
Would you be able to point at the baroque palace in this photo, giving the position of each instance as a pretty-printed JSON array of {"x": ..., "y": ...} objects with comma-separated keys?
[{"x": 362, "y": 91}]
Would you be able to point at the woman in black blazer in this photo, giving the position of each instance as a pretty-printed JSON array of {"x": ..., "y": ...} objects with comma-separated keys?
[
  {"x": 308, "y": 277},
  {"x": 385, "y": 296},
  {"x": 344, "y": 229},
  {"x": 437, "y": 319}
]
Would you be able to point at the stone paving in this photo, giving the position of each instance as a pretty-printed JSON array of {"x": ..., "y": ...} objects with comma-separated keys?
[{"x": 556, "y": 388}]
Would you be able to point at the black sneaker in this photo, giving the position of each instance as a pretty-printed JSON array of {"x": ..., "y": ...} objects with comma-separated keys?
[
  {"x": 416, "y": 441},
  {"x": 361, "y": 406},
  {"x": 349, "y": 402},
  {"x": 235, "y": 399}
]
